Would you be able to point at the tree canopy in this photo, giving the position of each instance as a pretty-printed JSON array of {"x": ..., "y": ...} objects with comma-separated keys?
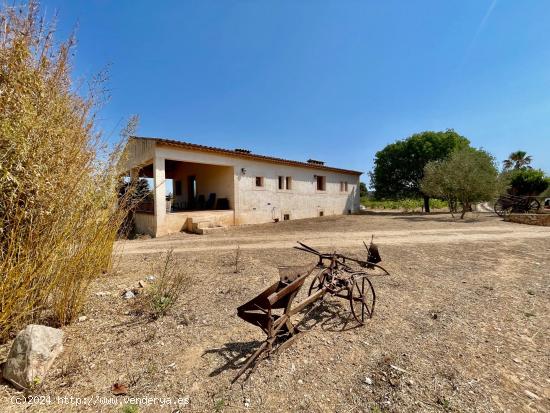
[
  {"x": 517, "y": 160},
  {"x": 527, "y": 181},
  {"x": 468, "y": 175},
  {"x": 399, "y": 167}
]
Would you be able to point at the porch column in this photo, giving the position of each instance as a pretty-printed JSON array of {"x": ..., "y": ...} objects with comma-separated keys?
[{"x": 160, "y": 194}]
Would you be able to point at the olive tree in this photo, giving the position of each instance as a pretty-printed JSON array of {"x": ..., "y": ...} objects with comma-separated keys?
[
  {"x": 467, "y": 176},
  {"x": 399, "y": 167}
]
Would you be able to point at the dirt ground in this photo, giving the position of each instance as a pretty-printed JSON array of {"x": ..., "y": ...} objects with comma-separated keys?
[{"x": 461, "y": 325}]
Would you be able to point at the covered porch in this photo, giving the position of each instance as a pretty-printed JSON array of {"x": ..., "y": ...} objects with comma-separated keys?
[{"x": 187, "y": 196}]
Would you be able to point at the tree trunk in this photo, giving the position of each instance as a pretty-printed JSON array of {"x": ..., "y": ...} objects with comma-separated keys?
[
  {"x": 465, "y": 207},
  {"x": 426, "y": 203}
]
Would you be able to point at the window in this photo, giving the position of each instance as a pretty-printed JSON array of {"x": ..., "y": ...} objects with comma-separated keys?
[
  {"x": 281, "y": 182},
  {"x": 286, "y": 217},
  {"x": 321, "y": 213},
  {"x": 177, "y": 188},
  {"x": 320, "y": 182},
  {"x": 343, "y": 186},
  {"x": 259, "y": 181},
  {"x": 288, "y": 182},
  {"x": 346, "y": 186}
]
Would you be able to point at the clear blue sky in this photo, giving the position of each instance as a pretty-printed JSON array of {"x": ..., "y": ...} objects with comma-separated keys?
[{"x": 331, "y": 80}]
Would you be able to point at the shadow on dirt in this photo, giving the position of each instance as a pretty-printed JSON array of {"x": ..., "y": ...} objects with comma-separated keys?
[
  {"x": 233, "y": 354},
  {"x": 334, "y": 317},
  {"x": 329, "y": 316},
  {"x": 424, "y": 218}
]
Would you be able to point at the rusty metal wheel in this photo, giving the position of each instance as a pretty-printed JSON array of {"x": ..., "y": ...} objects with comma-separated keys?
[
  {"x": 502, "y": 208},
  {"x": 361, "y": 298},
  {"x": 318, "y": 281},
  {"x": 533, "y": 206}
]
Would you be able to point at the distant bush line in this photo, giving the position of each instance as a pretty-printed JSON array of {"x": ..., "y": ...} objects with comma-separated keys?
[{"x": 408, "y": 204}]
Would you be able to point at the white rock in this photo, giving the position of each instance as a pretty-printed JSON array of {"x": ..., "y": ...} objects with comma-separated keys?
[
  {"x": 300, "y": 381},
  {"x": 150, "y": 278},
  {"x": 398, "y": 368},
  {"x": 531, "y": 395},
  {"x": 247, "y": 403},
  {"x": 128, "y": 294},
  {"x": 82, "y": 318},
  {"x": 368, "y": 381},
  {"x": 32, "y": 354}
]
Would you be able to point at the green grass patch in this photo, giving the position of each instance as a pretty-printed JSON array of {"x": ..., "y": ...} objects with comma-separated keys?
[{"x": 408, "y": 204}]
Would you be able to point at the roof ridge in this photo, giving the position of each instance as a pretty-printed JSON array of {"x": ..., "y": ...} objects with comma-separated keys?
[{"x": 245, "y": 155}]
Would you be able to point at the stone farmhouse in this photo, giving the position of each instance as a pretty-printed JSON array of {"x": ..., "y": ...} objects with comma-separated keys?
[{"x": 214, "y": 187}]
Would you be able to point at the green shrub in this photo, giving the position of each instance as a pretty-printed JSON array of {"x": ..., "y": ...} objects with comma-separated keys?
[
  {"x": 527, "y": 181},
  {"x": 407, "y": 204}
]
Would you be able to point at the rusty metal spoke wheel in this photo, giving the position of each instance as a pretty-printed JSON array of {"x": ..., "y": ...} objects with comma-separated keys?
[
  {"x": 533, "y": 206},
  {"x": 361, "y": 298},
  {"x": 502, "y": 208},
  {"x": 318, "y": 282}
]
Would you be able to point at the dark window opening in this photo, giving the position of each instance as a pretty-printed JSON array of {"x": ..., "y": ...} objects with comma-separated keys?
[
  {"x": 286, "y": 217},
  {"x": 321, "y": 213},
  {"x": 259, "y": 181},
  {"x": 281, "y": 183},
  {"x": 177, "y": 188},
  {"x": 288, "y": 182},
  {"x": 320, "y": 183}
]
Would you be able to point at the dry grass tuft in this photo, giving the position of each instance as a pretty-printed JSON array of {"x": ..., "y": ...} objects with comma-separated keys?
[
  {"x": 59, "y": 211},
  {"x": 171, "y": 283}
]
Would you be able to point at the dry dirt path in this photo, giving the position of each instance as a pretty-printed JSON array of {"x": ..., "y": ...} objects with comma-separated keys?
[
  {"x": 325, "y": 234},
  {"x": 465, "y": 316}
]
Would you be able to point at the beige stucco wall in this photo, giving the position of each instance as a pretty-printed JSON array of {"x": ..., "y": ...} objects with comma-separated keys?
[
  {"x": 138, "y": 152},
  {"x": 182, "y": 221},
  {"x": 303, "y": 200},
  {"x": 145, "y": 223}
]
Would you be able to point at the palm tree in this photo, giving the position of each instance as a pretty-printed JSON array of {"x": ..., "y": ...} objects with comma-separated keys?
[{"x": 517, "y": 160}]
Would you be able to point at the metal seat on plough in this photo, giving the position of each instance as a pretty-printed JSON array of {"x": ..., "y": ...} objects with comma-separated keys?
[{"x": 264, "y": 310}]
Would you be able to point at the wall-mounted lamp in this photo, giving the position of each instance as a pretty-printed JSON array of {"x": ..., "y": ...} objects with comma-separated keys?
[
  {"x": 243, "y": 171},
  {"x": 314, "y": 176}
]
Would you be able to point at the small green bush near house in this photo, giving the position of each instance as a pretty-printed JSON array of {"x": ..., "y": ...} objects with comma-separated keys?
[{"x": 407, "y": 204}]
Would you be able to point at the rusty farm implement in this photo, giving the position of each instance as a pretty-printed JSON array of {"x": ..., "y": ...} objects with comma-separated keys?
[
  {"x": 334, "y": 274},
  {"x": 507, "y": 204}
]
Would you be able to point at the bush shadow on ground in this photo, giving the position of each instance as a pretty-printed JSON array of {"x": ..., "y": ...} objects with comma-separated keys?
[
  {"x": 398, "y": 213},
  {"x": 469, "y": 218}
]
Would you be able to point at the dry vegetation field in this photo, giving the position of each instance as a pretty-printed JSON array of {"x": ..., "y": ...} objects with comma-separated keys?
[{"x": 461, "y": 325}]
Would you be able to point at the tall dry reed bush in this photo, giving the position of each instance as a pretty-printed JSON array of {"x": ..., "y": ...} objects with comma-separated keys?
[{"x": 59, "y": 212}]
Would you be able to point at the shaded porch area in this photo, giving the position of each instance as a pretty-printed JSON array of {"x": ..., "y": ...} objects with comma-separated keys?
[{"x": 187, "y": 196}]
